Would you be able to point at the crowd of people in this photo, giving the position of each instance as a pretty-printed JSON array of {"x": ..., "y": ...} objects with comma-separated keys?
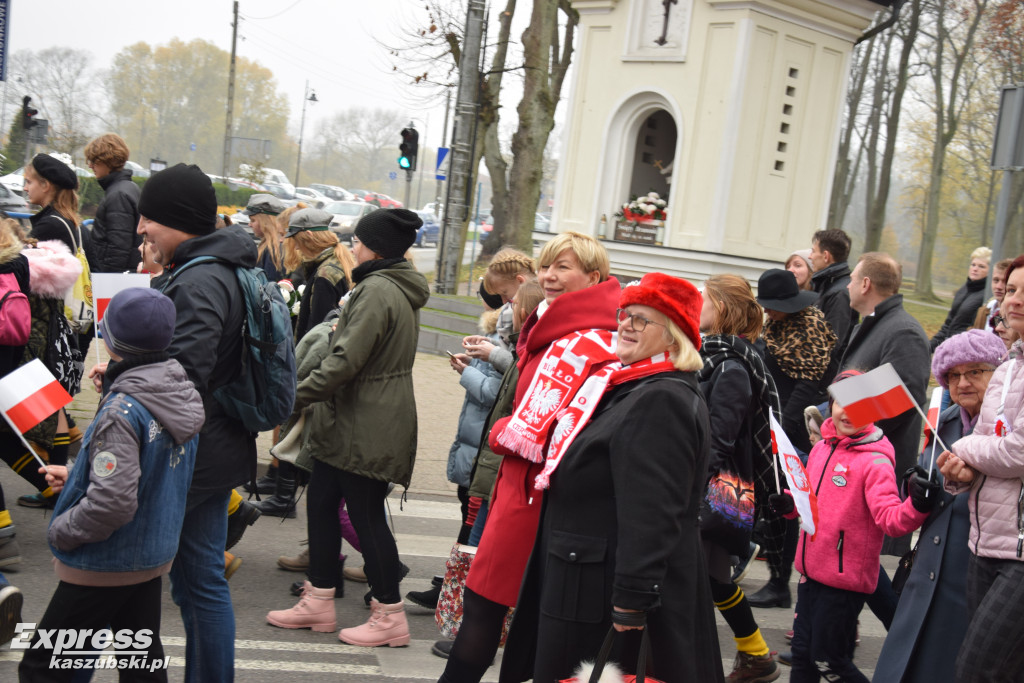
[{"x": 615, "y": 460}]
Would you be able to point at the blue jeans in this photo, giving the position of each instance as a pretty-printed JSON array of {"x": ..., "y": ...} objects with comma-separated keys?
[
  {"x": 478, "y": 525},
  {"x": 200, "y": 590}
]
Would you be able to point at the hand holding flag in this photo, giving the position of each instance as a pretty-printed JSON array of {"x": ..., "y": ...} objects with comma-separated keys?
[
  {"x": 796, "y": 476},
  {"x": 28, "y": 396}
]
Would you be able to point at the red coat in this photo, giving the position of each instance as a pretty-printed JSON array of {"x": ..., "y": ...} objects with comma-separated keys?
[{"x": 514, "y": 512}]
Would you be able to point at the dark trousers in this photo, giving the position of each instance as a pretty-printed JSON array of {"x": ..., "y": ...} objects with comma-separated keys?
[
  {"x": 823, "y": 634},
  {"x": 364, "y": 499},
  {"x": 993, "y": 647},
  {"x": 132, "y": 608}
]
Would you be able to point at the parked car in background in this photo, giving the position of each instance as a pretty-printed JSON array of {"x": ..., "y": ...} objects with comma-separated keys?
[
  {"x": 311, "y": 197},
  {"x": 15, "y": 181},
  {"x": 138, "y": 170},
  {"x": 336, "y": 193},
  {"x": 430, "y": 231},
  {"x": 387, "y": 202},
  {"x": 346, "y": 217},
  {"x": 11, "y": 201},
  {"x": 365, "y": 196},
  {"x": 282, "y": 192},
  {"x": 541, "y": 223},
  {"x": 270, "y": 176}
]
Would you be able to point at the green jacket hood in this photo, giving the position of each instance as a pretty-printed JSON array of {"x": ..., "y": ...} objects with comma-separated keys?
[{"x": 409, "y": 280}]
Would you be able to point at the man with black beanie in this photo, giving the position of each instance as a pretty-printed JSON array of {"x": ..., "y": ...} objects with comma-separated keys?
[{"x": 179, "y": 212}]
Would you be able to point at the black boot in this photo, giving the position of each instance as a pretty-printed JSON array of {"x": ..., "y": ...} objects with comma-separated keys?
[
  {"x": 265, "y": 484},
  {"x": 244, "y": 517},
  {"x": 427, "y": 599},
  {"x": 282, "y": 503},
  {"x": 774, "y": 594}
]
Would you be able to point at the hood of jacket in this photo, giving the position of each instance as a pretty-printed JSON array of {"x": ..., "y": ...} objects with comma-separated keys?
[
  {"x": 53, "y": 269},
  {"x": 166, "y": 392},
  {"x": 231, "y": 244},
  {"x": 409, "y": 281},
  {"x": 113, "y": 177},
  {"x": 585, "y": 309},
  {"x": 867, "y": 439},
  {"x": 10, "y": 253},
  {"x": 829, "y": 274}
]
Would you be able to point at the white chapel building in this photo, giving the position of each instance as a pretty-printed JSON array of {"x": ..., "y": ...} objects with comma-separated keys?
[{"x": 729, "y": 109}]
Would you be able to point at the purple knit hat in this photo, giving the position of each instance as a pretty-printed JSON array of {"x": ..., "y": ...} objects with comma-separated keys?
[{"x": 972, "y": 346}]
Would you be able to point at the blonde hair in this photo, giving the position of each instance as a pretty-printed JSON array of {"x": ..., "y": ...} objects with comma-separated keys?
[
  {"x": 314, "y": 242},
  {"x": 64, "y": 202},
  {"x": 10, "y": 234},
  {"x": 687, "y": 357},
  {"x": 982, "y": 253},
  {"x": 528, "y": 297},
  {"x": 737, "y": 311},
  {"x": 271, "y": 239},
  {"x": 109, "y": 149},
  {"x": 589, "y": 252},
  {"x": 506, "y": 265}
]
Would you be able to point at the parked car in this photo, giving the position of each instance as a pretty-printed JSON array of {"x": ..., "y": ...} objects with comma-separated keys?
[
  {"x": 15, "y": 181},
  {"x": 312, "y": 197},
  {"x": 387, "y": 202},
  {"x": 138, "y": 170},
  {"x": 366, "y": 196},
  {"x": 541, "y": 223},
  {"x": 336, "y": 193},
  {"x": 346, "y": 217},
  {"x": 11, "y": 201},
  {"x": 281, "y": 192},
  {"x": 430, "y": 231}
]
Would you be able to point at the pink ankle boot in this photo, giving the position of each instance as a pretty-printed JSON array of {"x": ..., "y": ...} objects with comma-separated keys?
[
  {"x": 387, "y": 625},
  {"x": 315, "y": 610}
]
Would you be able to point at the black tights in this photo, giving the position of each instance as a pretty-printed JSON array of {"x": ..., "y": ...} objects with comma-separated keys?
[
  {"x": 14, "y": 453},
  {"x": 364, "y": 499},
  {"x": 478, "y": 639}
]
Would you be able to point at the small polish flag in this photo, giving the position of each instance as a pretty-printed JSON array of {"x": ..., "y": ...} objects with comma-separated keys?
[
  {"x": 31, "y": 394},
  {"x": 876, "y": 395},
  {"x": 106, "y": 285},
  {"x": 932, "y": 421},
  {"x": 796, "y": 476}
]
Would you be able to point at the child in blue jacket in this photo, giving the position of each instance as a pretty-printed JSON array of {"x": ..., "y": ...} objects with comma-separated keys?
[{"x": 115, "y": 527}]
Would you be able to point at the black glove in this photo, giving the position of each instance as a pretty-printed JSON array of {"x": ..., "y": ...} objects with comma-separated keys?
[
  {"x": 923, "y": 489},
  {"x": 781, "y": 504}
]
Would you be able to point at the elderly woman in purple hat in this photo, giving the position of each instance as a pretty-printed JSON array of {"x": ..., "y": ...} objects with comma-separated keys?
[{"x": 932, "y": 611}]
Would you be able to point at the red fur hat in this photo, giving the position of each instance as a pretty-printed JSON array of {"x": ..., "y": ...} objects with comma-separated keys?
[{"x": 673, "y": 296}]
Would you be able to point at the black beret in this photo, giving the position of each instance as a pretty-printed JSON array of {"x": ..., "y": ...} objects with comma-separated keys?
[{"x": 55, "y": 171}]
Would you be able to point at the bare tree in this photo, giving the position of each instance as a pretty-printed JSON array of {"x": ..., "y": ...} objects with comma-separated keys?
[
  {"x": 62, "y": 83},
  {"x": 953, "y": 67}
]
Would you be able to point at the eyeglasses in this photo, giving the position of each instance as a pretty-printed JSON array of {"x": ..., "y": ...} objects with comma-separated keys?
[
  {"x": 637, "y": 322},
  {"x": 971, "y": 375},
  {"x": 998, "y": 320}
]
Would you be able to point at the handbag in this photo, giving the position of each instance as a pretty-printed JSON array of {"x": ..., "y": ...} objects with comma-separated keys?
[
  {"x": 595, "y": 673},
  {"x": 727, "y": 513},
  {"x": 903, "y": 569},
  {"x": 448, "y": 615},
  {"x": 78, "y": 301}
]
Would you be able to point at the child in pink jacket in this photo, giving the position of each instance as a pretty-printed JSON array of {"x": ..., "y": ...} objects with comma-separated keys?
[{"x": 852, "y": 472}]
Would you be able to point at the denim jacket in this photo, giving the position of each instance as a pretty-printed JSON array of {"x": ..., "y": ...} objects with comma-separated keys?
[{"x": 123, "y": 503}]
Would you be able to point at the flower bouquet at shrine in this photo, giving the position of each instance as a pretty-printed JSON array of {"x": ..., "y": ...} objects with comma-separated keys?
[{"x": 646, "y": 208}]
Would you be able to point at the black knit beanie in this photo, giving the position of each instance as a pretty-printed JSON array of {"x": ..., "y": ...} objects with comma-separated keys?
[
  {"x": 388, "y": 232},
  {"x": 180, "y": 197}
]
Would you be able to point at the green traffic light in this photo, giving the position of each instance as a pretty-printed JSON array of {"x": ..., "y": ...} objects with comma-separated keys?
[{"x": 404, "y": 162}]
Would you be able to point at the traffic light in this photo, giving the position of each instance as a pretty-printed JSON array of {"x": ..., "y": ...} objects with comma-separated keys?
[
  {"x": 408, "y": 149},
  {"x": 28, "y": 113}
]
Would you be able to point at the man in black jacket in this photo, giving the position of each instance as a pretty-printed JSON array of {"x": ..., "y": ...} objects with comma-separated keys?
[
  {"x": 179, "y": 213},
  {"x": 114, "y": 244},
  {"x": 829, "y": 251}
]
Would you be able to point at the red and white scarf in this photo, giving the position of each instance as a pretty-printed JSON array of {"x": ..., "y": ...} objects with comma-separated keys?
[
  {"x": 562, "y": 371},
  {"x": 573, "y": 419}
]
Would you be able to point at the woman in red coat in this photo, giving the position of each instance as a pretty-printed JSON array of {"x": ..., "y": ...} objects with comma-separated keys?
[{"x": 579, "y": 312}]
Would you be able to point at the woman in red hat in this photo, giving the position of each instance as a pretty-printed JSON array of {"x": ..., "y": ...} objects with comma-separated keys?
[{"x": 619, "y": 543}]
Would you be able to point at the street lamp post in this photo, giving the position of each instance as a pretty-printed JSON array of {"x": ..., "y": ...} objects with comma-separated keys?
[{"x": 307, "y": 96}]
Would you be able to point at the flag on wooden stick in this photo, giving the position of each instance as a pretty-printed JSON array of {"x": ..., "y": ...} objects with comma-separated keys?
[{"x": 796, "y": 476}]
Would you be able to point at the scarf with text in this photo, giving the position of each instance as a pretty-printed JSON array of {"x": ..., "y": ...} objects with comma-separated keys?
[
  {"x": 565, "y": 366},
  {"x": 575, "y": 417}
]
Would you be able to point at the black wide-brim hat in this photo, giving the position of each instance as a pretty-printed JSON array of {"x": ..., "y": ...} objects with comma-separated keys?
[{"x": 777, "y": 290}]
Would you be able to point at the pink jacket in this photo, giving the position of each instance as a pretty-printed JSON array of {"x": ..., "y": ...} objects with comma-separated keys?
[
  {"x": 1000, "y": 465},
  {"x": 858, "y": 503}
]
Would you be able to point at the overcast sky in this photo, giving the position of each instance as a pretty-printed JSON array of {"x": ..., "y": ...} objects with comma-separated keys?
[{"x": 332, "y": 43}]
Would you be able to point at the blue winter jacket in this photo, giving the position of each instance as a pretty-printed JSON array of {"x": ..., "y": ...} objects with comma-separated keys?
[{"x": 481, "y": 381}]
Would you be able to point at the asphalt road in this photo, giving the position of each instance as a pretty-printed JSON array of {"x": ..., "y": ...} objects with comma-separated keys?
[{"x": 425, "y": 530}]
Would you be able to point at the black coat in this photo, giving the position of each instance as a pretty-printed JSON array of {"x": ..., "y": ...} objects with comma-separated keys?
[
  {"x": 834, "y": 302},
  {"x": 620, "y": 527},
  {"x": 966, "y": 302},
  {"x": 208, "y": 343},
  {"x": 931, "y": 618},
  {"x": 891, "y": 335},
  {"x": 47, "y": 224},
  {"x": 114, "y": 247}
]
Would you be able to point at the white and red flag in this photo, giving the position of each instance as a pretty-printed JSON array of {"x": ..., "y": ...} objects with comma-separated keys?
[
  {"x": 796, "y": 476},
  {"x": 29, "y": 395},
  {"x": 873, "y": 396},
  {"x": 106, "y": 285},
  {"x": 931, "y": 421}
]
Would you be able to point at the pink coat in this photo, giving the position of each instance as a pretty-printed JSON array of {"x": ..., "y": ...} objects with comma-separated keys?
[
  {"x": 858, "y": 502},
  {"x": 1000, "y": 464}
]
